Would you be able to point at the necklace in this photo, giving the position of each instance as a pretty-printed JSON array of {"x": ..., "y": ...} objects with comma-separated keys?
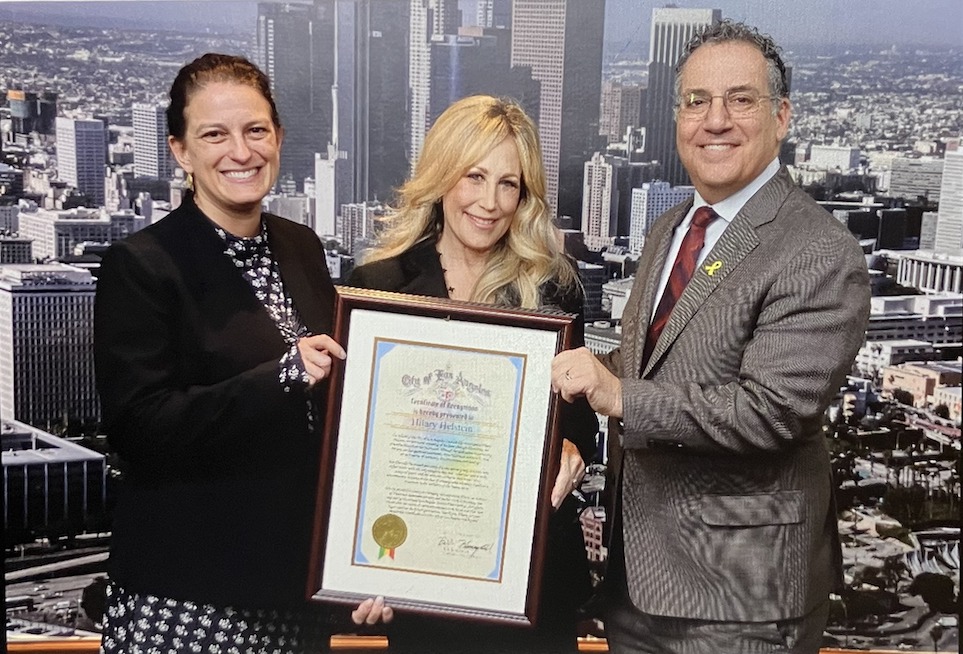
[
  {"x": 444, "y": 273},
  {"x": 460, "y": 274}
]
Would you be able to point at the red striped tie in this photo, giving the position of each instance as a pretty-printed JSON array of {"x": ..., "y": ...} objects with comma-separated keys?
[{"x": 682, "y": 269}]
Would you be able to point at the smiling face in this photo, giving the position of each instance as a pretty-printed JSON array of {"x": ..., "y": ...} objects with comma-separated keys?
[
  {"x": 480, "y": 207},
  {"x": 233, "y": 149},
  {"x": 723, "y": 155}
]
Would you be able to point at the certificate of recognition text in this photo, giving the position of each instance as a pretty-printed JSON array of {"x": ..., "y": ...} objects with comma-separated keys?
[{"x": 439, "y": 457}]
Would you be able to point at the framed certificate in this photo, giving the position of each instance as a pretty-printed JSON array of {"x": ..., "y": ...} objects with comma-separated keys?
[{"x": 441, "y": 452}]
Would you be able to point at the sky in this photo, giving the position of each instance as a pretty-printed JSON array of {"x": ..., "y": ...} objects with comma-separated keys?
[
  {"x": 814, "y": 22},
  {"x": 793, "y": 23}
]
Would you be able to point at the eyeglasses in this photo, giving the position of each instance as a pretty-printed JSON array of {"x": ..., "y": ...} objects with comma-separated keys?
[{"x": 739, "y": 104}]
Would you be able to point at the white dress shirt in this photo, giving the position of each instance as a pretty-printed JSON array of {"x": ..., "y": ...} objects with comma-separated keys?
[{"x": 726, "y": 209}]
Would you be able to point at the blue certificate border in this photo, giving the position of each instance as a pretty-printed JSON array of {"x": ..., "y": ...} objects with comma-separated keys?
[{"x": 381, "y": 348}]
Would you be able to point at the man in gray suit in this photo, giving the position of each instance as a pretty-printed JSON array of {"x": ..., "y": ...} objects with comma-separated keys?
[{"x": 744, "y": 318}]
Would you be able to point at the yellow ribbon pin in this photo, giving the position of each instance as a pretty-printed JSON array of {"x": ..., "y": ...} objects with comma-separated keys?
[{"x": 711, "y": 268}]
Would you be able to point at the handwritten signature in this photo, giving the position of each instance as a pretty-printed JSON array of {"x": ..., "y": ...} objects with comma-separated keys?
[{"x": 463, "y": 546}]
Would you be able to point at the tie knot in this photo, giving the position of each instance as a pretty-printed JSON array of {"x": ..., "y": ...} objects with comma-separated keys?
[{"x": 703, "y": 216}]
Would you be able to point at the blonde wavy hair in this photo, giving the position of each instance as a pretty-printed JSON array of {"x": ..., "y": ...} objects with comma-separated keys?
[{"x": 528, "y": 255}]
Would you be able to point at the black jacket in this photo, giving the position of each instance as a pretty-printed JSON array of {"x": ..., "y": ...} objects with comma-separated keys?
[{"x": 219, "y": 466}]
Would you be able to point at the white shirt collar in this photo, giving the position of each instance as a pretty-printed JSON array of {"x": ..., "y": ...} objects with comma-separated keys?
[{"x": 732, "y": 205}]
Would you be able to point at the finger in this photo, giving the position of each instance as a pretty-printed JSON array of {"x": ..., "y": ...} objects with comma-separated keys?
[
  {"x": 317, "y": 365},
  {"x": 364, "y": 609},
  {"x": 376, "y": 609},
  {"x": 561, "y": 488},
  {"x": 331, "y": 346},
  {"x": 388, "y": 614},
  {"x": 569, "y": 395}
]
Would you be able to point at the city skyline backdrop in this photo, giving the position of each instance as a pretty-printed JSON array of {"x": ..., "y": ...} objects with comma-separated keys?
[{"x": 881, "y": 123}]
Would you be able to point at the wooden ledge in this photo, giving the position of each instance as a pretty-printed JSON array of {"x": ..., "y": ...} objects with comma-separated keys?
[{"x": 338, "y": 643}]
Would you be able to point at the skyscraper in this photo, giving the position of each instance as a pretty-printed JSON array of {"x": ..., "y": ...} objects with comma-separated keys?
[
  {"x": 46, "y": 344},
  {"x": 428, "y": 19},
  {"x": 672, "y": 27},
  {"x": 607, "y": 197},
  {"x": 332, "y": 179},
  {"x": 81, "y": 155},
  {"x": 360, "y": 45},
  {"x": 621, "y": 108},
  {"x": 494, "y": 13},
  {"x": 949, "y": 225},
  {"x": 562, "y": 42},
  {"x": 912, "y": 178},
  {"x": 478, "y": 61},
  {"x": 295, "y": 49},
  {"x": 55, "y": 232},
  {"x": 152, "y": 156},
  {"x": 379, "y": 145},
  {"x": 600, "y": 195},
  {"x": 649, "y": 202}
]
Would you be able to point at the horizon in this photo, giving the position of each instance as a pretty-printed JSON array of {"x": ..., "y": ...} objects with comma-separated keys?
[{"x": 627, "y": 25}]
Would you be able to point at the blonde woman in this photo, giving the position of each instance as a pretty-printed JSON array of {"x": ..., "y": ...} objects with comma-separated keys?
[{"x": 473, "y": 224}]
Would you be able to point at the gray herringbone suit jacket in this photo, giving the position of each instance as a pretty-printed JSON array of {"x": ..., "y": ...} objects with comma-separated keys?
[{"x": 727, "y": 506}]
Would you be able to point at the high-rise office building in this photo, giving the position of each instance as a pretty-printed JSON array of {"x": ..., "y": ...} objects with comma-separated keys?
[
  {"x": 30, "y": 112},
  {"x": 607, "y": 199},
  {"x": 832, "y": 157},
  {"x": 11, "y": 181},
  {"x": 23, "y": 110},
  {"x": 600, "y": 200},
  {"x": 357, "y": 224},
  {"x": 650, "y": 201},
  {"x": 15, "y": 249},
  {"x": 672, "y": 27},
  {"x": 912, "y": 178},
  {"x": 82, "y": 155},
  {"x": 494, "y": 13},
  {"x": 332, "y": 188},
  {"x": 55, "y": 232},
  {"x": 592, "y": 276},
  {"x": 928, "y": 230},
  {"x": 561, "y": 40},
  {"x": 52, "y": 487},
  {"x": 152, "y": 155},
  {"x": 949, "y": 225},
  {"x": 10, "y": 214},
  {"x": 382, "y": 129},
  {"x": 476, "y": 61},
  {"x": 46, "y": 344},
  {"x": 892, "y": 229},
  {"x": 359, "y": 46},
  {"x": 621, "y": 109},
  {"x": 294, "y": 48},
  {"x": 428, "y": 19}
]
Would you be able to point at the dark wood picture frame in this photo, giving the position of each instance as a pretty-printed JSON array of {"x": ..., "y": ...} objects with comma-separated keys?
[{"x": 435, "y": 310}]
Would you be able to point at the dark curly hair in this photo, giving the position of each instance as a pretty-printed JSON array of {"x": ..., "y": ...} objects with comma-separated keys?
[
  {"x": 213, "y": 67},
  {"x": 728, "y": 31}
]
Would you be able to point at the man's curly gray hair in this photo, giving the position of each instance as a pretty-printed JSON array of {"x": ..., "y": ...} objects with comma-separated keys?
[{"x": 728, "y": 31}]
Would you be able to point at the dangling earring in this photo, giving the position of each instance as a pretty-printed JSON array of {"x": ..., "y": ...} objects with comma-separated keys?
[{"x": 189, "y": 180}]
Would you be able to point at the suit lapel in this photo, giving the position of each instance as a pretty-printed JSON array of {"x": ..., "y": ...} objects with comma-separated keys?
[
  {"x": 643, "y": 306},
  {"x": 730, "y": 250}
]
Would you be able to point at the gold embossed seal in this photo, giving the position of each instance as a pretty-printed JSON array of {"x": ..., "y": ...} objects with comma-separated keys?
[{"x": 389, "y": 532}]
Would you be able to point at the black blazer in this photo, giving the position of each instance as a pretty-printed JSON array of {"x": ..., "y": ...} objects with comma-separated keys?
[{"x": 220, "y": 468}]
